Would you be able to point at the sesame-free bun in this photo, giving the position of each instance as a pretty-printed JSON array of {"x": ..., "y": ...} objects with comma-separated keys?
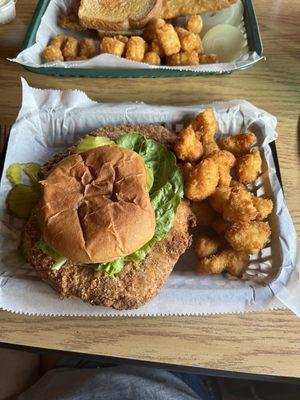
[{"x": 95, "y": 206}]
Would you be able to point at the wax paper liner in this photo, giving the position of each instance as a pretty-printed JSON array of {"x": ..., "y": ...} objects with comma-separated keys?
[
  {"x": 49, "y": 28},
  {"x": 51, "y": 120}
]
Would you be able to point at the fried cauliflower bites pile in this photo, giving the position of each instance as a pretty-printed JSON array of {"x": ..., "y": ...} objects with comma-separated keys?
[
  {"x": 216, "y": 174},
  {"x": 67, "y": 48},
  {"x": 162, "y": 43}
]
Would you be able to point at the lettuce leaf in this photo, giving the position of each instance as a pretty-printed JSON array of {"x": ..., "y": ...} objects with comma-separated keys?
[{"x": 46, "y": 249}]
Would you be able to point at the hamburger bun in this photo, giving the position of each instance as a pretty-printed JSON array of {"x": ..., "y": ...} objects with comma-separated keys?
[{"x": 95, "y": 206}]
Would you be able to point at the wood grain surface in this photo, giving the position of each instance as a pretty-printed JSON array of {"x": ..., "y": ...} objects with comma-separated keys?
[{"x": 261, "y": 343}]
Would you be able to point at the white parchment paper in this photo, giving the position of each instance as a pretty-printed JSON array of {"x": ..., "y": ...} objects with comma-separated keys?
[
  {"x": 51, "y": 120},
  {"x": 49, "y": 28}
]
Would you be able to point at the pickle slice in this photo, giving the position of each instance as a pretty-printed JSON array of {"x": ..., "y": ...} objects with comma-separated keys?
[
  {"x": 22, "y": 199},
  {"x": 90, "y": 142},
  {"x": 225, "y": 41},
  {"x": 232, "y": 15},
  {"x": 14, "y": 172}
]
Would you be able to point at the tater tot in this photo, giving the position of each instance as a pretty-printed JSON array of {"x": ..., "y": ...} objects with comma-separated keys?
[
  {"x": 183, "y": 58},
  {"x": 194, "y": 23},
  {"x": 149, "y": 33},
  {"x": 168, "y": 39},
  {"x": 87, "y": 48},
  {"x": 208, "y": 59},
  {"x": 151, "y": 58},
  {"x": 70, "y": 48},
  {"x": 112, "y": 46},
  {"x": 189, "y": 41},
  {"x": 136, "y": 48},
  {"x": 58, "y": 40},
  {"x": 52, "y": 53},
  {"x": 156, "y": 47},
  {"x": 188, "y": 147}
]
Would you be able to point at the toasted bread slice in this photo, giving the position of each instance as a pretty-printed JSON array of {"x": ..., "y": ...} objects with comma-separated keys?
[
  {"x": 117, "y": 15},
  {"x": 179, "y": 8}
]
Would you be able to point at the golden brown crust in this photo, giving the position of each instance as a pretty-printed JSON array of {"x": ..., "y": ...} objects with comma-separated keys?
[{"x": 178, "y": 8}]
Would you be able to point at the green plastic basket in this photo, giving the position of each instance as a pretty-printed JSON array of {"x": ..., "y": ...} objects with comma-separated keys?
[{"x": 251, "y": 26}]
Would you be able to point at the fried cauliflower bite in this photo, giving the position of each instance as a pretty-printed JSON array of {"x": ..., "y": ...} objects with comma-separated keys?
[
  {"x": 225, "y": 161},
  {"x": 249, "y": 167},
  {"x": 189, "y": 41},
  {"x": 151, "y": 57},
  {"x": 238, "y": 144},
  {"x": 219, "y": 198},
  {"x": 229, "y": 260},
  {"x": 58, "y": 41},
  {"x": 203, "y": 212},
  {"x": 183, "y": 58},
  {"x": 264, "y": 207},
  {"x": 112, "y": 45},
  {"x": 206, "y": 246},
  {"x": 156, "y": 48},
  {"x": 220, "y": 226},
  {"x": 205, "y": 126},
  {"x": 70, "y": 49},
  {"x": 188, "y": 147},
  {"x": 87, "y": 48},
  {"x": 52, "y": 53},
  {"x": 194, "y": 23},
  {"x": 135, "y": 49},
  {"x": 168, "y": 39},
  {"x": 208, "y": 59},
  {"x": 201, "y": 180},
  {"x": 239, "y": 206},
  {"x": 149, "y": 33},
  {"x": 249, "y": 237}
]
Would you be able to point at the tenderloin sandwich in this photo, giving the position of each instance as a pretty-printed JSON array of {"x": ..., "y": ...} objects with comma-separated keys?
[{"x": 111, "y": 221}]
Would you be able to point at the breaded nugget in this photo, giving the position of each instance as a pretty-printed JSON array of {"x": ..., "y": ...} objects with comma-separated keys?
[
  {"x": 204, "y": 213},
  {"x": 189, "y": 41},
  {"x": 249, "y": 167},
  {"x": 149, "y": 33},
  {"x": 168, "y": 39},
  {"x": 58, "y": 41},
  {"x": 263, "y": 207},
  {"x": 208, "y": 59},
  {"x": 135, "y": 49},
  {"x": 156, "y": 47},
  {"x": 188, "y": 147},
  {"x": 220, "y": 226},
  {"x": 206, "y": 246},
  {"x": 225, "y": 161},
  {"x": 201, "y": 181},
  {"x": 52, "y": 53},
  {"x": 177, "y": 8},
  {"x": 250, "y": 237},
  {"x": 205, "y": 125},
  {"x": 112, "y": 45},
  {"x": 151, "y": 57},
  {"x": 239, "y": 206},
  {"x": 87, "y": 48},
  {"x": 70, "y": 49},
  {"x": 183, "y": 58},
  {"x": 219, "y": 198},
  {"x": 194, "y": 23},
  {"x": 70, "y": 21},
  {"x": 229, "y": 260},
  {"x": 237, "y": 144}
]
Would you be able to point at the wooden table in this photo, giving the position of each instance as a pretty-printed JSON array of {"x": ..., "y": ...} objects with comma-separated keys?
[{"x": 259, "y": 343}]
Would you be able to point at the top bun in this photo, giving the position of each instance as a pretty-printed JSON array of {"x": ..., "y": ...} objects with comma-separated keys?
[{"x": 95, "y": 205}]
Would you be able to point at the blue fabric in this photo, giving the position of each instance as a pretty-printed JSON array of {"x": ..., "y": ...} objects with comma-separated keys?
[{"x": 117, "y": 383}]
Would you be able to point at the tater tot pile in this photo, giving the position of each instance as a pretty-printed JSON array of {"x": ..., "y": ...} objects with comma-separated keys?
[
  {"x": 216, "y": 173},
  {"x": 67, "y": 48}
]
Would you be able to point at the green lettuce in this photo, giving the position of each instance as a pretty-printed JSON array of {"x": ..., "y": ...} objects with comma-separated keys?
[{"x": 46, "y": 249}]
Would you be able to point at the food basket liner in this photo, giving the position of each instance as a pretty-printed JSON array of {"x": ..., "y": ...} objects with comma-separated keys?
[{"x": 51, "y": 120}]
